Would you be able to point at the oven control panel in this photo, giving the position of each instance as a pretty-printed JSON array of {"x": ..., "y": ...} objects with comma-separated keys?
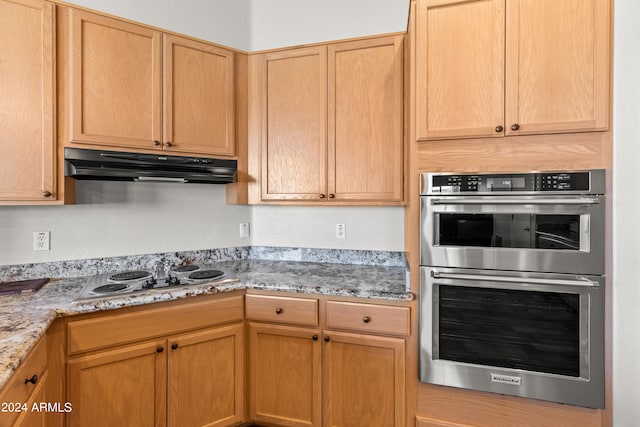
[{"x": 557, "y": 182}]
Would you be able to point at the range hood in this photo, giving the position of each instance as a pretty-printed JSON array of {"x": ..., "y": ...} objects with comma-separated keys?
[{"x": 119, "y": 166}]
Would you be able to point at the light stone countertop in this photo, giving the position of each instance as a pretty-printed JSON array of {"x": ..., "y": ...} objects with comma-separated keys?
[{"x": 24, "y": 318}]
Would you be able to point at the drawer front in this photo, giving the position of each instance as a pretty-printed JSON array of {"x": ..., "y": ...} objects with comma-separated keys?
[
  {"x": 114, "y": 329},
  {"x": 18, "y": 389},
  {"x": 369, "y": 318},
  {"x": 299, "y": 311}
]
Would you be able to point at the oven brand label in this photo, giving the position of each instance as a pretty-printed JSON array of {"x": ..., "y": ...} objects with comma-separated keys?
[{"x": 505, "y": 379}]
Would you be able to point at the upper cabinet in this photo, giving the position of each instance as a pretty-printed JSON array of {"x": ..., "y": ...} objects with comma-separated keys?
[
  {"x": 125, "y": 93},
  {"x": 528, "y": 67},
  {"x": 27, "y": 132},
  {"x": 332, "y": 122}
]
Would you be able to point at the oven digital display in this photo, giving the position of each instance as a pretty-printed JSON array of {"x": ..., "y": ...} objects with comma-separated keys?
[{"x": 506, "y": 183}]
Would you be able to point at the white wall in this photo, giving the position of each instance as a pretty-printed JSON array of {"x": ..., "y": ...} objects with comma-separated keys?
[{"x": 626, "y": 208}]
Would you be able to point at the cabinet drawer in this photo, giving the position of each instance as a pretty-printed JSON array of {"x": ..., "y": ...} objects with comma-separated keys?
[
  {"x": 300, "y": 311},
  {"x": 368, "y": 318},
  {"x": 18, "y": 390},
  {"x": 110, "y": 330}
]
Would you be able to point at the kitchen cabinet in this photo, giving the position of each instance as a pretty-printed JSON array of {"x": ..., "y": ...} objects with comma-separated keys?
[
  {"x": 331, "y": 123},
  {"x": 133, "y": 87},
  {"x": 486, "y": 69},
  {"x": 27, "y": 125},
  {"x": 326, "y": 373},
  {"x": 25, "y": 389},
  {"x": 141, "y": 370}
]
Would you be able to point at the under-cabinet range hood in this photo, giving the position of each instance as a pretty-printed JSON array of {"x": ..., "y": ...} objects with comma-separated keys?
[{"x": 120, "y": 166}]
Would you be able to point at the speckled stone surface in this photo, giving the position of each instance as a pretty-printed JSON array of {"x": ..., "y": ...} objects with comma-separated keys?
[{"x": 25, "y": 318}]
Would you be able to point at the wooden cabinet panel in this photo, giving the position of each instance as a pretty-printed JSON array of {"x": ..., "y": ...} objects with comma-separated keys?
[
  {"x": 459, "y": 68},
  {"x": 205, "y": 378},
  {"x": 285, "y": 372},
  {"x": 293, "y": 105},
  {"x": 366, "y": 121},
  {"x": 27, "y": 165},
  {"x": 116, "y": 87},
  {"x": 36, "y": 418},
  {"x": 198, "y": 97},
  {"x": 126, "y": 386},
  {"x": 368, "y": 318},
  {"x": 301, "y": 311},
  {"x": 557, "y": 66},
  {"x": 364, "y": 380}
]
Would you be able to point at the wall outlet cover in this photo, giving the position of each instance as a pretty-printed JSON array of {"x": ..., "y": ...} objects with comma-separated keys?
[{"x": 41, "y": 240}]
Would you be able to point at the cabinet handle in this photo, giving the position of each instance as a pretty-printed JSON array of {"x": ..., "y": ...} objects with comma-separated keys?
[
  {"x": 366, "y": 319},
  {"x": 515, "y": 126},
  {"x": 315, "y": 338},
  {"x": 326, "y": 338},
  {"x": 322, "y": 196},
  {"x": 159, "y": 349},
  {"x": 174, "y": 345},
  {"x": 278, "y": 310},
  {"x": 157, "y": 143},
  {"x": 46, "y": 193},
  {"x": 499, "y": 128},
  {"x": 331, "y": 195},
  {"x": 32, "y": 380},
  {"x": 169, "y": 144}
]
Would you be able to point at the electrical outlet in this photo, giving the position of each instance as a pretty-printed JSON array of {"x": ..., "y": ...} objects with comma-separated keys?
[
  {"x": 244, "y": 229},
  {"x": 41, "y": 240},
  {"x": 341, "y": 231}
]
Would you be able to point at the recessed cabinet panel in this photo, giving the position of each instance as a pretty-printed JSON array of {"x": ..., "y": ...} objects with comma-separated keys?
[
  {"x": 27, "y": 162},
  {"x": 116, "y": 88},
  {"x": 198, "y": 97},
  {"x": 294, "y": 115},
  {"x": 365, "y": 139}
]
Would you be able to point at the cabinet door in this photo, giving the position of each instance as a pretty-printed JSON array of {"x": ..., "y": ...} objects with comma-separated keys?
[
  {"x": 205, "y": 378},
  {"x": 366, "y": 120},
  {"x": 460, "y": 69},
  {"x": 198, "y": 97},
  {"x": 27, "y": 100},
  {"x": 557, "y": 66},
  {"x": 35, "y": 416},
  {"x": 364, "y": 381},
  {"x": 285, "y": 372},
  {"x": 122, "y": 387},
  {"x": 116, "y": 87},
  {"x": 293, "y": 104}
]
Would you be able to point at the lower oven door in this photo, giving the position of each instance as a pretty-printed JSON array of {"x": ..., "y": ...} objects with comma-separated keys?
[{"x": 523, "y": 334}]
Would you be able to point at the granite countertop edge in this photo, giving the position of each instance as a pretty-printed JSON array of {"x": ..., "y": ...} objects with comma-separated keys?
[{"x": 27, "y": 317}]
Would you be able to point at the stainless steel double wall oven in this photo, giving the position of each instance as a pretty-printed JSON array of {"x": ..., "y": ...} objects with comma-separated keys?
[{"x": 512, "y": 284}]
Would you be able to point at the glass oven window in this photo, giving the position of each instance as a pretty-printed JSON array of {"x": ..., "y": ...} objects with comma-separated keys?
[
  {"x": 510, "y": 230},
  {"x": 530, "y": 330}
]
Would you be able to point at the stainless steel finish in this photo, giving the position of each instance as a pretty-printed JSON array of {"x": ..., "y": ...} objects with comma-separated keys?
[
  {"x": 587, "y": 390},
  {"x": 580, "y": 201}
]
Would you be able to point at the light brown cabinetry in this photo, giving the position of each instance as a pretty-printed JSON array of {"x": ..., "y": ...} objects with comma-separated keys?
[
  {"x": 486, "y": 69},
  {"x": 329, "y": 377},
  {"x": 331, "y": 122},
  {"x": 140, "y": 377},
  {"x": 125, "y": 93},
  {"x": 27, "y": 85},
  {"x": 26, "y": 388}
]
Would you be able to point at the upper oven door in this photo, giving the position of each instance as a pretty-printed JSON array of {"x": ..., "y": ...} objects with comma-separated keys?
[{"x": 561, "y": 234}]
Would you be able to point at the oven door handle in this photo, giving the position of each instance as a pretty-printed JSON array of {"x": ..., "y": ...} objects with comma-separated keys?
[
  {"x": 578, "y": 201},
  {"x": 581, "y": 281}
]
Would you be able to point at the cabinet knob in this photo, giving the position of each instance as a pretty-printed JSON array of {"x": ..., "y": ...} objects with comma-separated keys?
[
  {"x": 499, "y": 128},
  {"x": 326, "y": 338},
  {"x": 32, "y": 380},
  {"x": 169, "y": 144},
  {"x": 366, "y": 319},
  {"x": 46, "y": 193},
  {"x": 332, "y": 196},
  {"x": 315, "y": 338},
  {"x": 278, "y": 310},
  {"x": 515, "y": 126},
  {"x": 174, "y": 345},
  {"x": 322, "y": 196},
  {"x": 159, "y": 349},
  {"x": 157, "y": 143}
]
